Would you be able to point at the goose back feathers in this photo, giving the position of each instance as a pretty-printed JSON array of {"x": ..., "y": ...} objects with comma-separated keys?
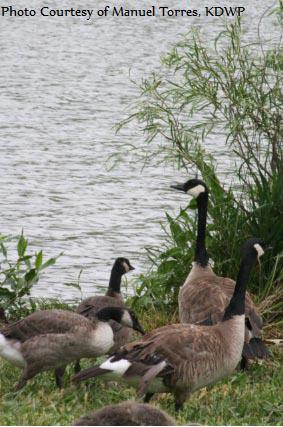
[
  {"x": 199, "y": 306},
  {"x": 126, "y": 414}
]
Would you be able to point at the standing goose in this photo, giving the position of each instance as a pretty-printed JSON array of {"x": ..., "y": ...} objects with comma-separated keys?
[
  {"x": 183, "y": 358},
  {"x": 90, "y": 306},
  {"x": 50, "y": 339},
  {"x": 126, "y": 414},
  {"x": 204, "y": 295}
]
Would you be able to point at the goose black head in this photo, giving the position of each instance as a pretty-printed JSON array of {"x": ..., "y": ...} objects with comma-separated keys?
[
  {"x": 122, "y": 265},
  {"x": 124, "y": 316},
  {"x": 254, "y": 247},
  {"x": 194, "y": 187}
]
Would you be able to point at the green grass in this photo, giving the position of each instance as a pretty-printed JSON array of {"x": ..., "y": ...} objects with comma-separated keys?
[{"x": 255, "y": 397}]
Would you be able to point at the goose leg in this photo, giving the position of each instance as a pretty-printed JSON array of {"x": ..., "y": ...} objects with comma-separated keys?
[
  {"x": 26, "y": 375},
  {"x": 180, "y": 398},
  {"x": 77, "y": 367},
  {"x": 59, "y": 375},
  {"x": 244, "y": 365},
  {"x": 179, "y": 406},
  {"x": 148, "y": 397},
  {"x": 21, "y": 383}
]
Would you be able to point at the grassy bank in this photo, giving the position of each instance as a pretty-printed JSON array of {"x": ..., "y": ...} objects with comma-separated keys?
[{"x": 253, "y": 398}]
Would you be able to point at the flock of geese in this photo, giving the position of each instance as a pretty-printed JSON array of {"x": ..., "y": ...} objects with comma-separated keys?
[{"x": 219, "y": 328}]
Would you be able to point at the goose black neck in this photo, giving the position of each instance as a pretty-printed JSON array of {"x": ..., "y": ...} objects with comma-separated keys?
[
  {"x": 110, "y": 313},
  {"x": 115, "y": 280},
  {"x": 201, "y": 256},
  {"x": 237, "y": 302}
]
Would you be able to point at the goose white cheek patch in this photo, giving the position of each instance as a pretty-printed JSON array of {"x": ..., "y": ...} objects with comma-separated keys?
[
  {"x": 195, "y": 191},
  {"x": 259, "y": 249},
  {"x": 126, "y": 267},
  {"x": 119, "y": 367},
  {"x": 126, "y": 319}
]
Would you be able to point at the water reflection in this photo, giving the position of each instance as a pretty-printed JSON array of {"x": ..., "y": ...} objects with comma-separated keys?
[{"x": 64, "y": 84}]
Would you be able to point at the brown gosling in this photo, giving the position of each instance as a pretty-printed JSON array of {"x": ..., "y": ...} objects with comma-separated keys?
[{"x": 126, "y": 414}]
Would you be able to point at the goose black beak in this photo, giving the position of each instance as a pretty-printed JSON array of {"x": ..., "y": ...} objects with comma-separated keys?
[
  {"x": 140, "y": 329},
  {"x": 179, "y": 187},
  {"x": 131, "y": 267}
]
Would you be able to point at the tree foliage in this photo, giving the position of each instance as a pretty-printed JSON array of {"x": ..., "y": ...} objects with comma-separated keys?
[{"x": 233, "y": 90}]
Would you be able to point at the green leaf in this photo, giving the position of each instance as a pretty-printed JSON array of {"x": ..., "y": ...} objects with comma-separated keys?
[
  {"x": 167, "y": 266},
  {"x": 31, "y": 275},
  {"x": 193, "y": 204},
  {"x": 50, "y": 261},
  {"x": 175, "y": 229},
  {"x": 3, "y": 249},
  {"x": 171, "y": 253},
  {"x": 22, "y": 246},
  {"x": 24, "y": 258},
  {"x": 4, "y": 292},
  {"x": 38, "y": 260}
]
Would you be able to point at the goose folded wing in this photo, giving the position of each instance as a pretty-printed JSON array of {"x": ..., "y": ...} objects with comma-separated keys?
[
  {"x": 43, "y": 322},
  {"x": 251, "y": 310},
  {"x": 254, "y": 317},
  {"x": 21, "y": 330},
  {"x": 91, "y": 305},
  {"x": 48, "y": 351},
  {"x": 173, "y": 344},
  {"x": 204, "y": 303}
]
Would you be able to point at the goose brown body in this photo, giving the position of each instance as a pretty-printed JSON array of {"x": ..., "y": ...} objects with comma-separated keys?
[
  {"x": 126, "y": 414},
  {"x": 44, "y": 322},
  {"x": 182, "y": 358},
  {"x": 179, "y": 358},
  {"x": 204, "y": 297},
  {"x": 113, "y": 297},
  {"x": 90, "y": 306},
  {"x": 195, "y": 355},
  {"x": 50, "y": 339}
]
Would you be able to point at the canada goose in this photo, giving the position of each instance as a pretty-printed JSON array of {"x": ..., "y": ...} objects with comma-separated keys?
[
  {"x": 204, "y": 295},
  {"x": 113, "y": 297},
  {"x": 50, "y": 339},
  {"x": 182, "y": 358},
  {"x": 126, "y": 414}
]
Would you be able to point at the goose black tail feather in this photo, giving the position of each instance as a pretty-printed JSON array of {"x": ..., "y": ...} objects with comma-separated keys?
[
  {"x": 255, "y": 349},
  {"x": 88, "y": 373}
]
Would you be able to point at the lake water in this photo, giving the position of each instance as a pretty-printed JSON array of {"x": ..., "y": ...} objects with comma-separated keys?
[{"x": 64, "y": 85}]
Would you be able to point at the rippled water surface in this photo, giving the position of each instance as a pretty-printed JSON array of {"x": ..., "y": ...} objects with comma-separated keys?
[{"x": 64, "y": 84}]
